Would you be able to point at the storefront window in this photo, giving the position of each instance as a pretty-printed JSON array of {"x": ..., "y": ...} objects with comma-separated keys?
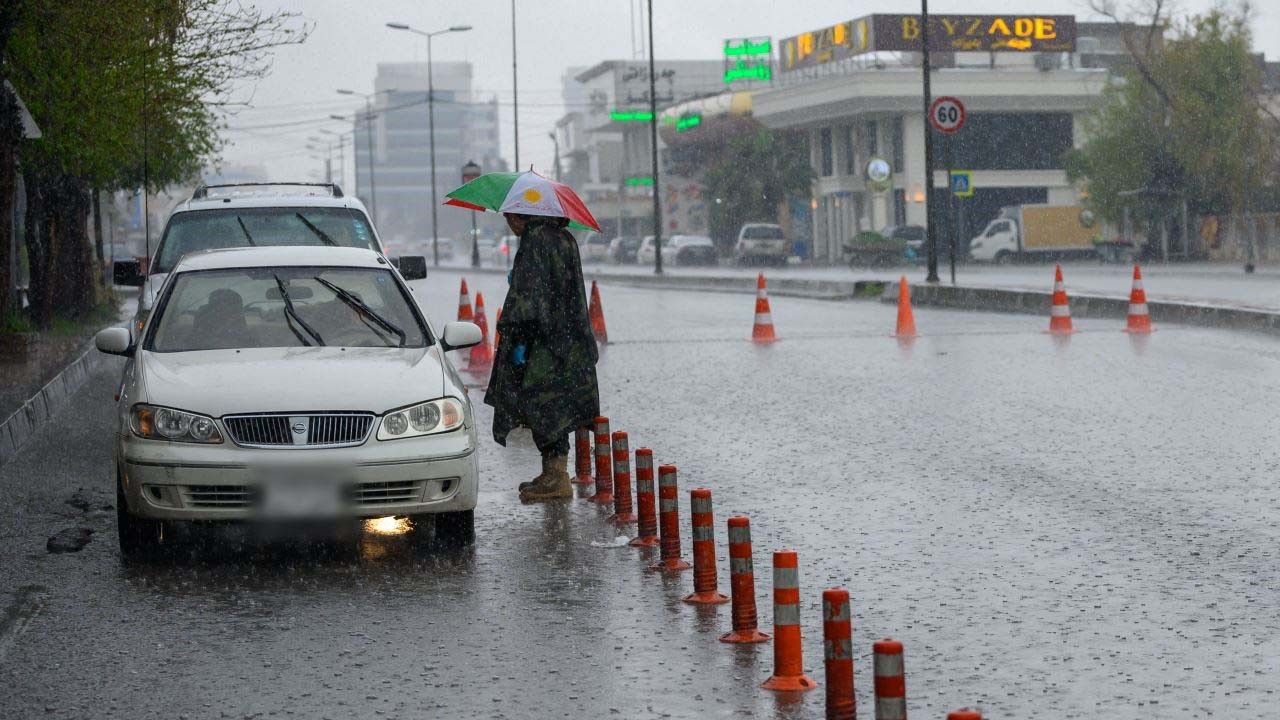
[
  {"x": 899, "y": 207},
  {"x": 847, "y": 150},
  {"x": 897, "y": 145},
  {"x": 824, "y": 147},
  {"x": 871, "y": 133}
]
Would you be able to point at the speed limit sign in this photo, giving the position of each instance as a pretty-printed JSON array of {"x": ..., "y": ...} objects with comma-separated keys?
[{"x": 946, "y": 114}]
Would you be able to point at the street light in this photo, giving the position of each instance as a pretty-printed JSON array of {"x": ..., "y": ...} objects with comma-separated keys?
[
  {"x": 470, "y": 172},
  {"x": 431, "y": 122},
  {"x": 368, "y": 128},
  {"x": 342, "y": 152}
]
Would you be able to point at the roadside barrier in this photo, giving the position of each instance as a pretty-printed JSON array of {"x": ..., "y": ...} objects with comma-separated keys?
[
  {"x": 646, "y": 504},
  {"x": 762, "y": 329},
  {"x": 464, "y": 303},
  {"x": 837, "y": 654},
  {"x": 595, "y": 311},
  {"x": 788, "y": 654},
  {"x": 1139, "y": 320},
  {"x": 669, "y": 522},
  {"x": 906, "y": 327},
  {"x": 705, "y": 590},
  {"x": 1060, "y": 310},
  {"x": 582, "y": 455},
  {"x": 964, "y": 714},
  {"x": 622, "y": 512},
  {"x": 742, "y": 584},
  {"x": 481, "y": 358},
  {"x": 604, "y": 463},
  {"x": 891, "y": 684}
]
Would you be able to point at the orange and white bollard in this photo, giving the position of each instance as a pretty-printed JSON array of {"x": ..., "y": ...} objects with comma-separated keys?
[
  {"x": 481, "y": 359},
  {"x": 742, "y": 584},
  {"x": 595, "y": 312},
  {"x": 1060, "y": 310},
  {"x": 669, "y": 522},
  {"x": 762, "y": 328},
  {"x": 604, "y": 463},
  {"x": 705, "y": 591},
  {"x": 646, "y": 502},
  {"x": 622, "y": 512},
  {"x": 964, "y": 714},
  {"x": 788, "y": 654},
  {"x": 891, "y": 683},
  {"x": 837, "y": 654},
  {"x": 906, "y": 325},
  {"x": 1139, "y": 318},
  {"x": 582, "y": 455},
  {"x": 465, "y": 313}
]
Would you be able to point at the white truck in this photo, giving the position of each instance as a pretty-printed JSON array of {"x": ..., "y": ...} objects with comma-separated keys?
[{"x": 1026, "y": 231}]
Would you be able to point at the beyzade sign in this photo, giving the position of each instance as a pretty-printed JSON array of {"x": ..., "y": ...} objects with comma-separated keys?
[
  {"x": 983, "y": 33},
  {"x": 947, "y": 33}
]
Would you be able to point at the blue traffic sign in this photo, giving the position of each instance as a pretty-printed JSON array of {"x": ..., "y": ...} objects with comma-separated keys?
[{"x": 962, "y": 183}]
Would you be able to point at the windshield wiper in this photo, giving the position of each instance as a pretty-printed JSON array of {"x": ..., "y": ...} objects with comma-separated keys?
[
  {"x": 245, "y": 230},
  {"x": 365, "y": 311},
  {"x": 324, "y": 237},
  {"x": 291, "y": 314}
]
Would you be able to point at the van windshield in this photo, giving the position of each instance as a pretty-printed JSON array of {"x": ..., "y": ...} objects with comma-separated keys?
[
  {"x": 763, "y": 232},
  {"x": 189, "y": 232}
]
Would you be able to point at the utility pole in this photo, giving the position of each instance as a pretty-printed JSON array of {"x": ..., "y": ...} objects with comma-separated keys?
[
  {"x": 653, "y": 140},
  {"x": 930, "y": 227},
  {"x": 515, "y": 89}
]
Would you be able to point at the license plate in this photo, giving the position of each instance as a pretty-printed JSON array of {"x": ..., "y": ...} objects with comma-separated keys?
[{"x": 301, "y": 493}]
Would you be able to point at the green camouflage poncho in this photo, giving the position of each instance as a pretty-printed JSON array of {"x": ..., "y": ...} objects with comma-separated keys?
[{"x": 555, "y": 391}]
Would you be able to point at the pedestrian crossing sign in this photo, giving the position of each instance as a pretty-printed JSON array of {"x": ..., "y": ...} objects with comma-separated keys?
[{"x": 962, "y": 183}]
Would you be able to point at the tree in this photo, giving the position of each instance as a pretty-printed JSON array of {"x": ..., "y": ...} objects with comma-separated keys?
[
  {"x": 1186, "y": 120},
  {"x": 753, "y": 176}
]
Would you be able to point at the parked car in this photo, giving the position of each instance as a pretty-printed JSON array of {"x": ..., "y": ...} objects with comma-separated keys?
[
  {"x": 622, "y": 250},
  {"x": 594, "y": 247},
  {"x": 505, "y": 251},
  {"x": 761, "y": 242},
  {"x": 689, "y": 250},
  {"x": 645, "y": 253},
  {"x": 238, "y": 401},
  {"x": 257, "y": 214}
]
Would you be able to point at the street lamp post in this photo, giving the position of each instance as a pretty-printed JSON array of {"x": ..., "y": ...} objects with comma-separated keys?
[
  {"x": 342, "y": 153},
  {"x": 431, "y": 123},
  {"x": 653, "y": 140},
  {"x": 368, "y": 128},
  {"x": 931, "y": 229},
  {"x": 515, "y": 89},
  {"x": 470, "y": 172}
]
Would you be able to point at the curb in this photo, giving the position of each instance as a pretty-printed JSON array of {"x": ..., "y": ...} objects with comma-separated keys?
[{"x": 22, "y": 424}]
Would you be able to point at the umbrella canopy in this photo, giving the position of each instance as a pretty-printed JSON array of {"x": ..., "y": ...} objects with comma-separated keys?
[{"x": 527, "y": 193}]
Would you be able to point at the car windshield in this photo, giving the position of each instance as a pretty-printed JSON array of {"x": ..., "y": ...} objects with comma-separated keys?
[
  {"x": 198, "y": 230},
  {"x": 285, "y": 307},
  {"x": 765, "y": 232}
]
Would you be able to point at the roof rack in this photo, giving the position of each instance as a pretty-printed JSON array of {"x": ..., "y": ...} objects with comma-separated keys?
[{"x": 202, "y": 191}]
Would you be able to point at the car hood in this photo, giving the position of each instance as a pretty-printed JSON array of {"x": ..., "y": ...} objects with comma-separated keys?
[{"x": 303, "y": 379}]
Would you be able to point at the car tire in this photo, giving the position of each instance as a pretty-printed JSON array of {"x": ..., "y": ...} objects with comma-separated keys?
[
  {"x": 1004, "y": 257},
  {"x": 140, "y": 538}
]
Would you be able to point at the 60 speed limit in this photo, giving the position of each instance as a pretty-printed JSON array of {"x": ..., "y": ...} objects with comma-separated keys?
[{"x": 946, "y": 114}]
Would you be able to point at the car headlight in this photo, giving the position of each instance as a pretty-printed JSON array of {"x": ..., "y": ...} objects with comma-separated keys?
[
  {"x": 426, "y": 418},
  {"x": 140, "y": 321},
  {"x": 162, "y": 423}
]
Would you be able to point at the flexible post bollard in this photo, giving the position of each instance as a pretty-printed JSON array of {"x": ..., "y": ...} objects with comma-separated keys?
[
  {"x": 582, "y": 456},
  {"x": 891, "y": 682},
  {"x": 669, "y": 522},
  {"x": 705, "y": 581},
  {"x": 837, "y": 654},
  {"x": 622, "y": 512},
  {"x": 788, "y": 654},
  {"x": 646, "y": 503},
  {"x": 742, "y": 585},
  {"x": 604, "y": 463},
  {"x": 964, "y": 714}
]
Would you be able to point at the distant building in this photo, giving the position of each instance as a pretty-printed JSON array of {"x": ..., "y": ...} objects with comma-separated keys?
[{"x": 399, "y": 187}]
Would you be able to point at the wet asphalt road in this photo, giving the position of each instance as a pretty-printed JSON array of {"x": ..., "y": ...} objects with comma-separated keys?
[{"x": 1082, "y": 530}]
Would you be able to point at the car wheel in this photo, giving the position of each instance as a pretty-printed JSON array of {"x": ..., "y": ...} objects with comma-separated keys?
[
  {"x": 1004, "y": 257},
  {"x": 140, "y": 538}
]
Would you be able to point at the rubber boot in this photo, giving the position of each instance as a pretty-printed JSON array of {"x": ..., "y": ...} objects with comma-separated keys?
[{"x": 555, "y": 481}]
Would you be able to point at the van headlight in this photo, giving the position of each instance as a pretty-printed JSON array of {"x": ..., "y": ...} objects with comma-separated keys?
[
  {"x": 161, "y": 423},
  {"x": 428, "y": 418}
]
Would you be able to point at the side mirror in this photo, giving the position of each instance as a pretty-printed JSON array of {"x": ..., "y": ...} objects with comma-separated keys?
[
  {"x": 114, "y": 341},
  {"x": 458, "y": 335},
  {"x": 412, "y": 267},
  {"x": 127, "y": 273}
]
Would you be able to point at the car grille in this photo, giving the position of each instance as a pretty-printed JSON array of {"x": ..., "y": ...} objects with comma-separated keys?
[
  {"x": 217, "y": 496},
  {"x": 312, "y": 430},
  {"x": 388, "y": 493}
]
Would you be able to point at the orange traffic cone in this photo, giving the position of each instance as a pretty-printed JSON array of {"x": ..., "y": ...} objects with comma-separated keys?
[
  {"x": 481, "y": 359},
  {"x": 497, "y": 337},
  {"x": 906, "y": 318},
  {"x": 762, "y": 330},
  {"x": 464, "y": 303},
  {"x": 596, "y": 312},
  {"x": 1139, "y": 318},
  {"x": 1060, "y": 312}
]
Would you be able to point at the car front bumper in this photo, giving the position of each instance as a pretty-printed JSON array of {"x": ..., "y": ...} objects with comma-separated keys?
[{"x": 185, "y": 481}]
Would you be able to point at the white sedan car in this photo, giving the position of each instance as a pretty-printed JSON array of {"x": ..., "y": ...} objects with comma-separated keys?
[{"x": 290, "y": 383}]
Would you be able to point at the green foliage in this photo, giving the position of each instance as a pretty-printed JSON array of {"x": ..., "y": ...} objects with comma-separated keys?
[
  {"x": 1186, "y": 120},
  {"x": 14, "y": 322},
  {"x": 752, "y": 176}
]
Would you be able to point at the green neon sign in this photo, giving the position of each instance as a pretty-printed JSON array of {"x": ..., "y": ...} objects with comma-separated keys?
[
  {"x": 742, "y": 71},
  {"x": 625, "y": 116},
  {"x": 640, "y": 181},
  {"x": 688, "y": 122},
  {"x": 748, "y": 47}
]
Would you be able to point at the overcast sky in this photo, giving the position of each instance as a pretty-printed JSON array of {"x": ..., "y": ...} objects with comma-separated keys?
[{"x": 350, "y": 38}]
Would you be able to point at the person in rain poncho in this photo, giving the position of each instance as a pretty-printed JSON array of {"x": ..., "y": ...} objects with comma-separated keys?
[{"x": 544, "y": 372}]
